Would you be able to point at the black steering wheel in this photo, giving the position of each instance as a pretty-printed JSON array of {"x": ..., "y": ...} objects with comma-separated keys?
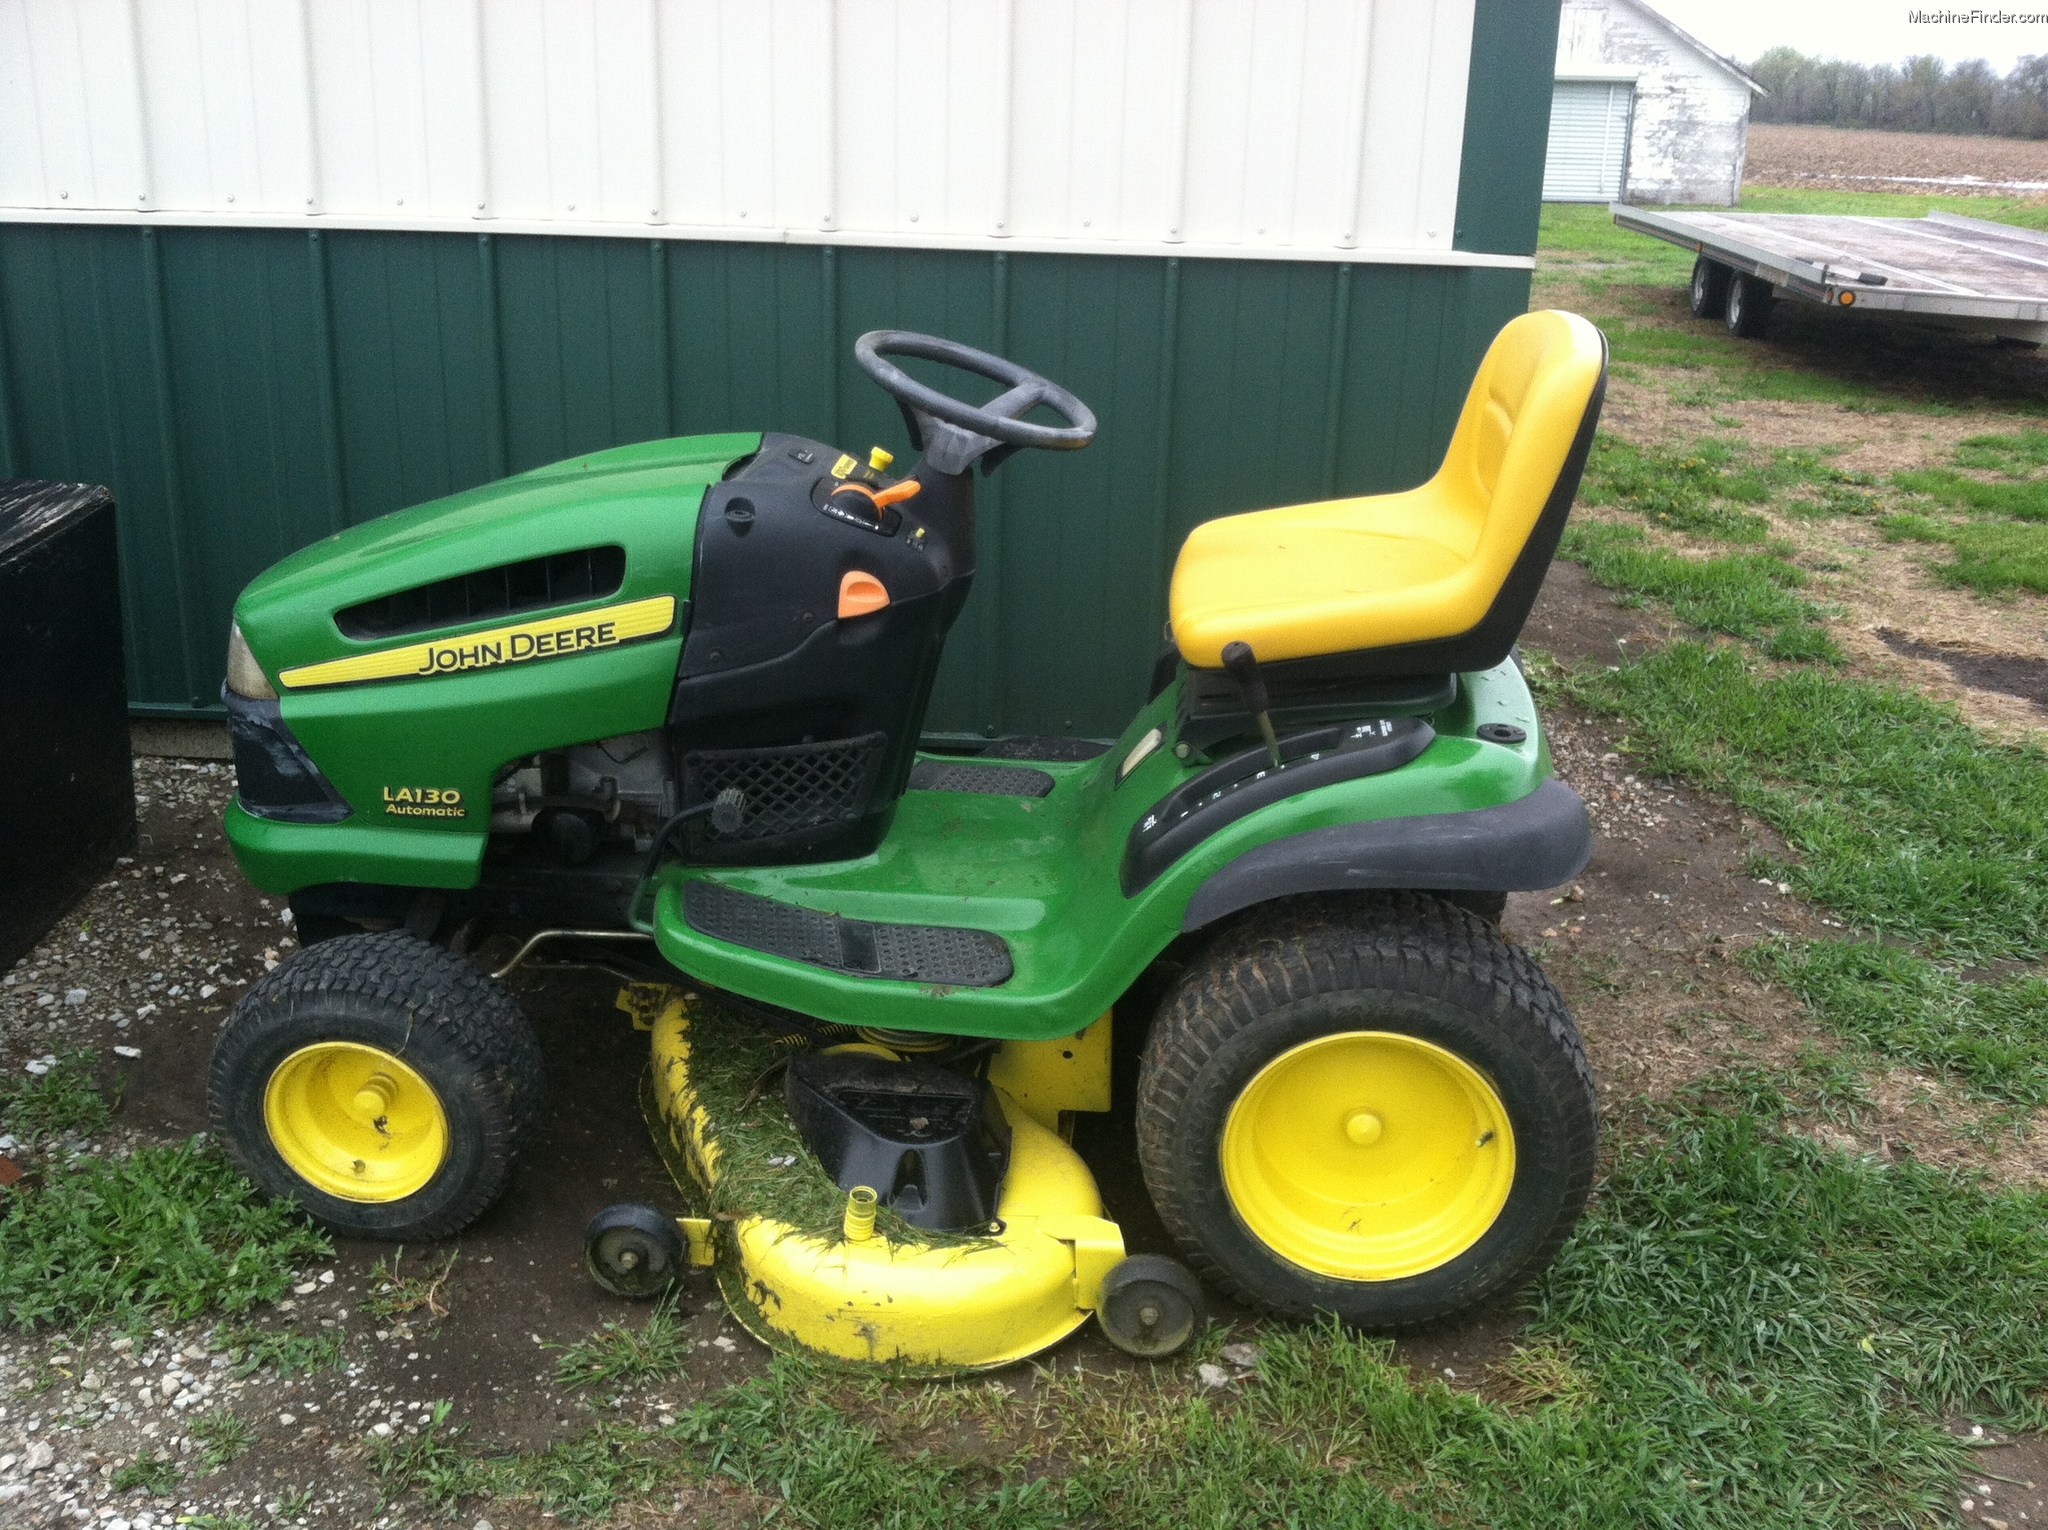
[{"x": 975, "y": 428}]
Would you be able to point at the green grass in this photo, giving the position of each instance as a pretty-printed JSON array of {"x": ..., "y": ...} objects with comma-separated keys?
[
  {"x": 165, "y": 1234},
  {"x": 1989, "y": 1037},
  {"x": 2018, "y": 455},
  {"x": 1905, "y": 818},
  {"x": 150, "y": 1472},
  {"x": 1679, "y": 490},
  {"x": 2025, "y": 500},
  {"x": 1990, "y": 557},
  {"x": 1748, "y": 595},
  {"x": 65, "y": 1102},
  {"x": 620, "y": 1354},
  {"x": 222, "y": 1437},
  {"x": 1993, "y": 559},
  {"x": 1750, "y": 1330},
  {"x": 288, "y": 1353}
]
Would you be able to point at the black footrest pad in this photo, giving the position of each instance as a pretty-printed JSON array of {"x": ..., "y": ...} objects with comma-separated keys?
[
  {"x": 910, "y": 953},
  {"x": 988, "y": 780}
]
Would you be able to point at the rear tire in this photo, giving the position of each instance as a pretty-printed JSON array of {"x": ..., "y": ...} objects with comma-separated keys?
[
  {"x": 1709, "y": 288},
  {"x": 1370, "y": 1107},
  {"x": 385, "y": 1084},
  {"x": 1750, "y": 301}
]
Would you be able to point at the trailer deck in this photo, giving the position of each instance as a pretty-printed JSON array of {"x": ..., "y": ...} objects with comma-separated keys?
[{"x": 1945, "y": 269}]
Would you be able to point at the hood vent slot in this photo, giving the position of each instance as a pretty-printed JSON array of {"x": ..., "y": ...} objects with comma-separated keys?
[{"x": 534, "y": 584}]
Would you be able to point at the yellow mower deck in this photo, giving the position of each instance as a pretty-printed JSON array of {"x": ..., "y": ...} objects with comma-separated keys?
[{"x": 948, "y": 1307}]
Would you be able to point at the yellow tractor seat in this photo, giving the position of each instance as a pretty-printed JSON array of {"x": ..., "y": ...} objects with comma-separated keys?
[{"x": 1428, "y": 581}]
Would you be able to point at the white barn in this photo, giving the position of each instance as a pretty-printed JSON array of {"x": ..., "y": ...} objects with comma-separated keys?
[{"x": 1642, "y": 111}]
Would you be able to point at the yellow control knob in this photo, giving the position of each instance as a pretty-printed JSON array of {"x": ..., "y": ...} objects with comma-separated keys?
[
  {"x": 1363, "y": 1127},
  {"x": 879, "y": 460}
]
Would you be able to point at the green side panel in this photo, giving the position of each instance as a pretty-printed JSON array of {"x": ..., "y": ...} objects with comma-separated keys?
[
  {"x": 250, "y": 392},
  {"x": 454, "y": 731},
  {"x": 1043, "y": 874},
  {"x": 283, "y": 857},
  {"x": 1507, "y": 125}
]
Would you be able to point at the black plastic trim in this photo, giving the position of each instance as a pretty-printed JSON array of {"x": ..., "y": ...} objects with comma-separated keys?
[
  {"x": 1535, "y": 842},
  {"x": 274, "y": 776},
  {"x": 1245, "y": 782},
  {"x": 507, "y": 589}
]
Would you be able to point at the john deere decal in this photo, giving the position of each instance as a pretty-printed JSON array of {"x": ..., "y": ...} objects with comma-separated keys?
[{"x": 550, "y": 637}]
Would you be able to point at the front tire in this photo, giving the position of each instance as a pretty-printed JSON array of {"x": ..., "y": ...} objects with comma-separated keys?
[
  {"x": 385, "y": 1084},
  {"x": 1375, "y": 1108}
]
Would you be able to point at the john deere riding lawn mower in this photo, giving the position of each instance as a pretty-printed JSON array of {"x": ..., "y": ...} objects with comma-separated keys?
[{"x": 660, "y": 709}]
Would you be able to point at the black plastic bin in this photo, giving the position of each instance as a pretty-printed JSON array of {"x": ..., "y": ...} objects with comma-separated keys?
[{"x": 67, "y": 784}]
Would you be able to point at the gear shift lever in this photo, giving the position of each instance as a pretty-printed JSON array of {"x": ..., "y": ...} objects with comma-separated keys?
[{"x": 1243, "y": 667}]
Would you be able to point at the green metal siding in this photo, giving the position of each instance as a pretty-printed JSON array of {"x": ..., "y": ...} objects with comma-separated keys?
[
  {"x": 246, "y": 392},
  {"x": 1507, "y": 125}
]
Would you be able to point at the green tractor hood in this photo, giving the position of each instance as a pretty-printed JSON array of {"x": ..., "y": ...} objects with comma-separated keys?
[
  {"x": 642, "y": 498},
  {"x": 415, "y": 655}
]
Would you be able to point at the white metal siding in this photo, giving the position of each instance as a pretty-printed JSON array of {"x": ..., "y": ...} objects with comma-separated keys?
[
  {"x": 1587, "y": 158},
  {"x": 1295, "y": 128},
  {"x": 1690, "y": 119}
]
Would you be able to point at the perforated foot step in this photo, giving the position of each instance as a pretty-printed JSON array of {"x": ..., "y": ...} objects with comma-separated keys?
[
  {"x": 987, "y": 780},
  {"x": 1038, "y": 747},
  {"x": 909, "y": 953}
]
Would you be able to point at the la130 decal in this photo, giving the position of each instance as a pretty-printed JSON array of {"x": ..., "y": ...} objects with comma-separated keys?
[
  {"x": 550, "y": 637},
  {"x": 424, "y": 802}
]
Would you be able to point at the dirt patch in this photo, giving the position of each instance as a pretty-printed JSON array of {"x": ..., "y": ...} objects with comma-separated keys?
[
  {"x": 1577, "y": 621},
  {"x": 1866, "y": 159},
  {"x": 2009, "y": 674}
]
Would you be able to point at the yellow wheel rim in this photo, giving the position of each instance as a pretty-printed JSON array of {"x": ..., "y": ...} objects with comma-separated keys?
[
  {"x": 1368, "y": 1155},
  {"x": 355, "y": 1121}
]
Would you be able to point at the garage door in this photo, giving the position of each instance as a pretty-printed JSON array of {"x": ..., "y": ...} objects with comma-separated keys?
[{"x": 1588, "y": 156}]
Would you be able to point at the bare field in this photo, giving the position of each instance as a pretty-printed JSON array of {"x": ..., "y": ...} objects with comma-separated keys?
[{"x": 1865, "y": 159}]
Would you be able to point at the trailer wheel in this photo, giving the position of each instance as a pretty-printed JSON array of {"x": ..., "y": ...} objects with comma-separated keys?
[
  {"x": 383, "y": 1083},
  {"x": 1750, "y": 301},
  {"x": 1374, "y": 1108},
  {"x": 1709, "y": 288}
]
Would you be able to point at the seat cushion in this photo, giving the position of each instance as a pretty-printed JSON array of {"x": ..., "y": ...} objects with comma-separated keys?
[
  {"x": 1426, "y": 565},
  {"x": 1330, "y": 577}
]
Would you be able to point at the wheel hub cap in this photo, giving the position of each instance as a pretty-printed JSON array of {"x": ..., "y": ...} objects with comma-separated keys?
[
  {"x": 1368, "y": 1155},
  {"x": 355, "y": 1121}
]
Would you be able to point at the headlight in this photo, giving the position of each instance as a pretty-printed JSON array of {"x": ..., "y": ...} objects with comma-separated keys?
[{"x": 245, "y": 675}]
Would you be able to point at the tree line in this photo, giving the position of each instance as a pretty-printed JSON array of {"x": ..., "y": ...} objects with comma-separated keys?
[{"x": 1922, "y": 95}]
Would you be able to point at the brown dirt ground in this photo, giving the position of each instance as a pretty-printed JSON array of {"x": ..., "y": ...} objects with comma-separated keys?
[{"x": 1787, "y": 154}]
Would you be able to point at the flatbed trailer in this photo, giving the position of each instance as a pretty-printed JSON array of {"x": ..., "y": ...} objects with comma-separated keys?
[{"x": 1943, "y": 269}]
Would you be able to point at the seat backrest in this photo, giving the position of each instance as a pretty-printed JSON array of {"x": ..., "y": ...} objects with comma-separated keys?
[{"x": 1515, "y": 434}]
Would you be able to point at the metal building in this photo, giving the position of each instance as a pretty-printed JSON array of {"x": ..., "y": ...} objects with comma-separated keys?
[
  {"x": 1642, "y": 111},
  {"x": 270, "y": 269}
]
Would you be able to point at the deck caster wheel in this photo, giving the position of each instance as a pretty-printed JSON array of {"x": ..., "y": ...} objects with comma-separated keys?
[
  {"x": 385, "y": 1084},
  {"x": 1373, "y": 1107},
  {"x": 1150, "y": 1306},
  {"x": 632, "y": 1250}
]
